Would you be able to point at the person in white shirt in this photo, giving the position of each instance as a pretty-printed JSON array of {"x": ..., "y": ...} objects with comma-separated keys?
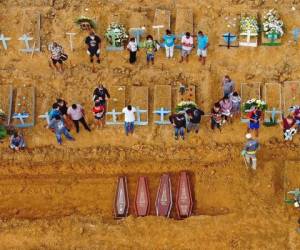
[
  {"x": 129, "y": 119},
  {"x": 132, "y": 47},
  {"x": 187, "y": 46},
  {"x": 76, "y": 113}
]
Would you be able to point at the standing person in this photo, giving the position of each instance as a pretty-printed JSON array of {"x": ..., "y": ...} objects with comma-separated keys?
[
  {"x": 187, "y": 46},
  {"x": 194, "y": 115},
  {"x": 254, "y": 118},
  {"x": 99, "y": 113},
  {"x": 216, "y": 116},
  {"x": 226, "y": 107},
  {"x": 93, "y": 43},
  {"x": 101, "y": 94},
  {"x": 63, "y": 108},
  {"x": 202, "y": 41},
  {"x": 249, "y": 151},
  {"x": 53, "y": 112},
  {"x": 289, "y": 127},
  {"x": 296, "y": 116},
  {"x": 228, "y": 85},
  {"x": 236, "y": 104},
  {"x": 17, "y": 142},
  {"x": 76, "y": 112},
  {"x": 150, "y": 46},
  {"x": 129, "y": 119},
  {"x": 179, "y": 123},
  {"x": 132, "y": 47},
  {"x": 56, "y": 52},
  {"x": 169, "y": 41},
  {"x": 58, "y": 125}
]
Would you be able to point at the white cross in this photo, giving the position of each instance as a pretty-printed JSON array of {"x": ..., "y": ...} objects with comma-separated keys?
[
  {"x": 71, "y": 35},
  {"x": 3, "y": 39}
]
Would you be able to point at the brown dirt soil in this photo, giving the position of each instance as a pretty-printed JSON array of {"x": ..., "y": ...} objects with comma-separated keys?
[{"x": 61, "y": 197}]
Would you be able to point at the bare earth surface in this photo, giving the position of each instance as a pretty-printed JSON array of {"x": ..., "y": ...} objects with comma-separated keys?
[{"x": 61, "y": 197}]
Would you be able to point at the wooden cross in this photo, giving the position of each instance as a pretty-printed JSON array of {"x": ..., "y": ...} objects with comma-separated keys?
[
  {"x": 229, "y": 39},
  {"x": 71, "y": 35}
]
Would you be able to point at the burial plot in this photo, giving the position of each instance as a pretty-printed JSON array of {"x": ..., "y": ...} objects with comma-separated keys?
[
  {"x": 162, "y": 22},
  {"x": 138, "y": 23},
  {"x": 162, "y": 104},
  {"x": 291, "y": 94},
  {"x": 272, "y": 96},
  {"x": 115, "y": 105},
  {"x": 186, "y": 93},
  {"x": 139, "y": 100},
  {"x": 31, "y": 30},
  {"x": 248, "y": 29},
  {"x": 24, "y": 109},
  {"x": 184, "y": 21},
  {"x": 230, "y": 29},
  {"x": 249, "y": 91},
  {"x": 6, "y": 93}
]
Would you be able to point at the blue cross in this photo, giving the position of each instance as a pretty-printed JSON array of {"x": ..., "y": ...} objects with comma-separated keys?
[
  {"x": 229, "y": 38},
  {"x": 138, "y": 113},
  {"x": 273, "y": 112},
  {"x": 162, "y": 112},
  {"x": 45, "y": 116},
  {"x": 3, "y": 39},
  {"x": 137, "y": 33},
  {"x": 21, "y": 117},
  {"x": 114, "y": 115},
  {"x": 296, "y": 33},
  {"x": 25, "y": 38}
]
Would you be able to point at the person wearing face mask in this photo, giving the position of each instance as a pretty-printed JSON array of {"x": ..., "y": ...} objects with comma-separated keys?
[
  {"x": 150, "y": 46},
  {"x": 93, "y": 43}
]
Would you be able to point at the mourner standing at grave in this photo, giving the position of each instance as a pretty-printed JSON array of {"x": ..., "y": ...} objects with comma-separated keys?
[
  {"x": 101, "y": 94},
  {"x": 194, "y": 115},
  {"x": 249, "y": 151},
  {"x": 187, "y": 46},
  {"x": 255, "y": 116},
  {"x": 93, "y": 43},
  {"x": 129, "y": 118},
  {"x": 226, "y": 107},
  {"x": 179, "y": 123},
  {"x": 76, "y": 112},
  {"x": 58, "y": 125},
  {"x": 63, "y": 108},
  {"x": 289, "y": 127},
  {"x": 17, "y": 142},
  {"x": 296, "y": 115},
  {"x": 150, "y": 46},
  {"x": 202, "y": 41},
  {"x": 56, "y": 56},
  {"x": 216, "y": 116},
  {"x": 132, "y": 47},
  {"x": 228, "y": 85},
  {"x": 99, "y": 113},
  {"x": 236, "y": 104},
  {"x": 169, "y": 42}
]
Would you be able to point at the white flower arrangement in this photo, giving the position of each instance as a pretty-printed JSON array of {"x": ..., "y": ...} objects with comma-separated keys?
[
  {"x": 116, "y": 34},
  {"x": 272, "y": 25},
  {"x": 184, "y": 105},
  {"x": 249, "y": 23},
  {"x": 254, "y": 103}
]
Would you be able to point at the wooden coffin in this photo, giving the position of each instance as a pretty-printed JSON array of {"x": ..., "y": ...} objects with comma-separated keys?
[
  {"x": 142, "y": 198},
  {"x": 184, "y": 199},
  {"x": 121, "y": 204},
  {"x": 163, "y": 203}
]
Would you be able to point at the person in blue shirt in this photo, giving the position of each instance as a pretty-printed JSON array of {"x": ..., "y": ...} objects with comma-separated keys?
[
  {"x": 202, "y": 46},
  {"x": 169, "y": 41}
]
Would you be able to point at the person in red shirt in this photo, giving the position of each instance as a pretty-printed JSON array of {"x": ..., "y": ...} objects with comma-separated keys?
[
  {"x": 99, "y": 113},
  {"x": 255, "y": 116},
  {"x": 289, "y": 127}
]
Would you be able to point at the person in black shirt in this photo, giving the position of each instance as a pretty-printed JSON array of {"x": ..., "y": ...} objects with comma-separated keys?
[
  {"x": 194, "y": 119},
  {"x": 93, "y": 43},
  {"x": 179, "y": 123},
  {"x": 63, "y": 108},
  {"x": 101, "y": 94}
]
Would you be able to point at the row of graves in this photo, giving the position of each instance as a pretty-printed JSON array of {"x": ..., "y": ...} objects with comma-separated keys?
[
  {"x": 184, "y": 200},
  {"x": 140, "y": 100},
  {"x": 275, "y": 99},
  {"x": 242, "y": 29}
]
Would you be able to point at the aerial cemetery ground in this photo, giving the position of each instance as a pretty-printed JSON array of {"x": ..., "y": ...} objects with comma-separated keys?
[{"x": 62, "y": 197}]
